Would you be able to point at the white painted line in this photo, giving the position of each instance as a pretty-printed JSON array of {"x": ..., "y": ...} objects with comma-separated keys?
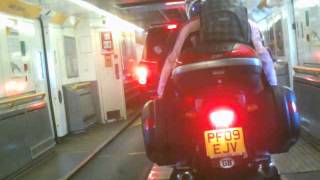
[{"x": 136, "y": 153}]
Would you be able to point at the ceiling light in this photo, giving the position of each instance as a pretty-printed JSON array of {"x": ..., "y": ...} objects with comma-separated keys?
[
  {"x": 105, "y": 13},
  {"x": 303, "y": 4}
]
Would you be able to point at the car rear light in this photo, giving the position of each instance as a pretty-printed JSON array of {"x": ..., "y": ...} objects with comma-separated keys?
[
  {"x": 172, "y": 26},
  {"x": 222, "y": 118},
  {"x": 142, "y": 74},
  {"x": 241, "y": 51}
]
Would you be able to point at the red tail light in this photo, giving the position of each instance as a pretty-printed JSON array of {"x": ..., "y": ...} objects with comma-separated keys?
[
  {"x": 172, "y": 26},
  {"x": 142, "y": 74},
  {"x": 222, "y": 118}
]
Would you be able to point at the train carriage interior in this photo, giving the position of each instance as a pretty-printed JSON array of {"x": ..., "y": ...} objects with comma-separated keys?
[{"x": 76, "y": 77}]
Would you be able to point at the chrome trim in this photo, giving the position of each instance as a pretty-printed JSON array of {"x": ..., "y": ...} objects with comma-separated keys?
[{"x": 217, "y": 63}]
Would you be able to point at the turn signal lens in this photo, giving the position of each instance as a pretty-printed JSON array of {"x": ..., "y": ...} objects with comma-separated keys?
[
  {"x": 142, "y": 74},
  {"x": 149, "y": 124},
  {"x": 222, "y": 118},
  {"x": 294, "y": 106}
]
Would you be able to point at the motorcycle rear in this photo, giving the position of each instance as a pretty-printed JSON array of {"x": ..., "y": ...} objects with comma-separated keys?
[{"x": 219, "y": 117}]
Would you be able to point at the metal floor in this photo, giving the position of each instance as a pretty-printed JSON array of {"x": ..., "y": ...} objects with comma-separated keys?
[
  {"x": 302, "y": 158},
  {"x": 72, "y": 152},
  {"x": 123, "y": 159},
  {"x": 301, "y": 163}
]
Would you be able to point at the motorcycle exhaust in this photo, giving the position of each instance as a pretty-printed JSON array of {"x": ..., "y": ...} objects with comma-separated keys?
[{"x": 186, "y": 175}]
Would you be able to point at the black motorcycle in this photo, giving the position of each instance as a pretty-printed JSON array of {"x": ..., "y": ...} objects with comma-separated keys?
[{"x": 219, "y": 117}]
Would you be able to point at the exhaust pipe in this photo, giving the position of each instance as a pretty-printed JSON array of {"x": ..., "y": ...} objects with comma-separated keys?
[{"x": 186, "y": 175}]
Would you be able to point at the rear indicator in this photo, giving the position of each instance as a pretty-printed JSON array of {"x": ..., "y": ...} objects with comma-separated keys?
[
  {"x": 149, "y": 124},
  {"x": 294, "y": 106},
  {"x": 172, "y": 26},
  {"x": 222, "y": 118},
  {"x": 142, "y": 74}
]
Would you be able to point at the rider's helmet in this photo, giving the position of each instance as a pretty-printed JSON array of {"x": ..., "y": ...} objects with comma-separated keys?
[{"x": 192, "y": 8}]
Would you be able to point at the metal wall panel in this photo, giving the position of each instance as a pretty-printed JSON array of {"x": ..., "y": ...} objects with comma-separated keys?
[
  {"x": 39, "y": 135},
  {"x": 82, "y": 105},
  {"x": 308, "y": 97},
  {"x": 14, "y": 151}
]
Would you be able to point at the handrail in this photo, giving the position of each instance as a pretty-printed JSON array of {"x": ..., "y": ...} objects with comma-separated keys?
[
  {"x": 81, "y": 85},
  {"x": 309, "y": 79},
  {"x": 307, "y": 70},
  {"x": 11, "y": 102}
]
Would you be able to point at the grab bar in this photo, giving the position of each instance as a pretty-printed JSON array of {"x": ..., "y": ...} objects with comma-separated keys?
[
  {"x": 307, "y": 70},
  {"x": 81, "y": 86},
  {"x": 12, "y": 101}
]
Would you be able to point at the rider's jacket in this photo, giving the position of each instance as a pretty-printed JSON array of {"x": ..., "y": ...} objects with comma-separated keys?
[{"x": 194, "y": 25}]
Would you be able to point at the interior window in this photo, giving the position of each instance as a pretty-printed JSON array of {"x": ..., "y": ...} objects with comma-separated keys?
[{"x": 21, "y": 56}]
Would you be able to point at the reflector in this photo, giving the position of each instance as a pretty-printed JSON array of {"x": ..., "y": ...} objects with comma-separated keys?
[
  {"x": 241, "y": 50},
  {"x": 222, "y": 118},
  {"x": 142, "y": 74}
]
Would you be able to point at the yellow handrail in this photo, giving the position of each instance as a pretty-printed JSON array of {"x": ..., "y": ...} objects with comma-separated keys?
[
  {"x": 12, "y": 101},
  {"x": 307, "y": 70},
  {"x": 81, "y": 85}
]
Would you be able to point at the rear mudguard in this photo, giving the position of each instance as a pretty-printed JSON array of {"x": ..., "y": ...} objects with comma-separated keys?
[{"x": 154, "y": 134}]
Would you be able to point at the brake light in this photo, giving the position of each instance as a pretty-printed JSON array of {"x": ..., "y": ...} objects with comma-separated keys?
[
  {"x": 172, "y": 26},
  {"x": 222, "y": 118},
  {"x": 142, "y": 74}
]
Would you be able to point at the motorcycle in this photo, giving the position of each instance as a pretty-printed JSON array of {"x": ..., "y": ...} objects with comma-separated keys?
[{"x": 219, "y": 117}]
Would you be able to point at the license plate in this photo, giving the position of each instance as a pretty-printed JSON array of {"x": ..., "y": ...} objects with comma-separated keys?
[{"x": 224, "y": 142}]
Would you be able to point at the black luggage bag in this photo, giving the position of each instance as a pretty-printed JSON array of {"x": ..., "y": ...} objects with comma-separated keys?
[{"x": 224, "y": 21}]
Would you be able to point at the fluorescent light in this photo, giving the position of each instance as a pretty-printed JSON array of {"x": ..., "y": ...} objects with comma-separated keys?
[
  {"x": 303, "y": 4},
  {"x": 4, "y": 20},
  {"x": 14, "y": 87},
  {"x": 105, "y": 13},
  {"x": 26, "y": 28}
]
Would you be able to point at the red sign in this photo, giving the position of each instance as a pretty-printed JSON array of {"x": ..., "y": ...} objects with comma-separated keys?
[{"x": 106, "y": 43}]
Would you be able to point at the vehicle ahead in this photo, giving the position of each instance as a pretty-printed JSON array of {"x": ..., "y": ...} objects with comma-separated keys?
[
  {"x": 159, "y": 42},
  {"x": 219, "y": 116}
]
